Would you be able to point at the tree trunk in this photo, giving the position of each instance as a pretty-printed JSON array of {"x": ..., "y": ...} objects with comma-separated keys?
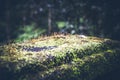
[
  {"x": 7, "y": 18},
  {"x": 49, "y": 21}
]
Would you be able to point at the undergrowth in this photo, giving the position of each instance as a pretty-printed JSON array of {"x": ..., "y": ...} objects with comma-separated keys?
[{"x": 59, "y": 57}]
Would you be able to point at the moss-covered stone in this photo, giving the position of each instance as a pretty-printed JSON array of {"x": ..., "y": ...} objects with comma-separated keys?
[{"x": 59, "y": 57}]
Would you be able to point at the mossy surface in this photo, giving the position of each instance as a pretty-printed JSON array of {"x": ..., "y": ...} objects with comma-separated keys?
[{"x": 59, "y": 57}]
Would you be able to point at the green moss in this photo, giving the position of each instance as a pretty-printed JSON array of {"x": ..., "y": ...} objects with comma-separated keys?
[{"x": 60, "y": 57}]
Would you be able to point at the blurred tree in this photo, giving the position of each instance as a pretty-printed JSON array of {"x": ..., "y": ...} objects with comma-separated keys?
[{"x": 97, "y": 18}]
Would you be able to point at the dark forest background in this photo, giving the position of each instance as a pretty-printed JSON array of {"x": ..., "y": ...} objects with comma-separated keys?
[{"x": 25, "y": 19}]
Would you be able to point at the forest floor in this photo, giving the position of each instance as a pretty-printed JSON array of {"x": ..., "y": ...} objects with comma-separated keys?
[{"x": 61, "y": 57}]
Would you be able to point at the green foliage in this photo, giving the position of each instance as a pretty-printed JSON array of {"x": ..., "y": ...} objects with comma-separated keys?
[
  {"x": 28, "y": 32},
  {"x": 81, "y": 20},
  {"x": 61, "y": 24}
]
